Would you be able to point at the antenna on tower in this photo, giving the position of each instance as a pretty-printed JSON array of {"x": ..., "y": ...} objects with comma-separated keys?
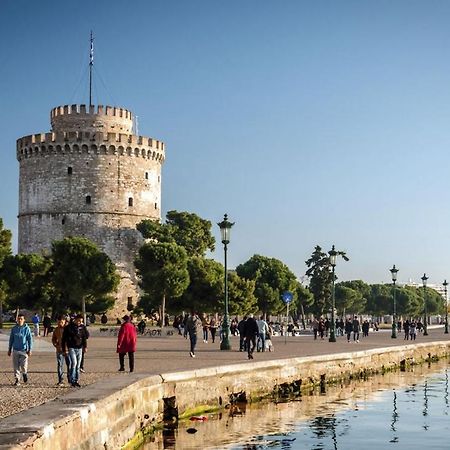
[{"x": 91, "y": 63}]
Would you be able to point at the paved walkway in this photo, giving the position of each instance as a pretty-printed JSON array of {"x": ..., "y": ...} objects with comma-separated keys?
[{"x": 157, "y": 355}]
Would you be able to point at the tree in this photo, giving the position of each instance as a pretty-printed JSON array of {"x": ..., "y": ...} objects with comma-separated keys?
[
  {"x": 303, "y": 299},
  {"x": 26, "y": 279},
  {"x": 241, "y": 295},
  {"x": 82, "y": 273},
  {"x": 380, "y": 299},
  {"x": 205, "y": 285},
  {"x": 185, "y": 229},
  {"x": 321, "y": 278},
  {"x": 348, "y": 299},
  {"x": 272, "y": 278},
  {"x": 5, "y": 250},
  {"x": 163, "y": 273}
]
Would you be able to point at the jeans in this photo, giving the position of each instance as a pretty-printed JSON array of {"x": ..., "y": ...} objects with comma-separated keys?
[
  {"x": 251, "y": 348},
  {"x": 262, "y": 336},
  {"x": 193, "y": 339},
  {"x": 61, "y": 358},
  {"x": 205, "y": 334},
  {"x": 75, "y": 355}
]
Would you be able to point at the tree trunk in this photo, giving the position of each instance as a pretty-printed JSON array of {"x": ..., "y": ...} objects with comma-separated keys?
[
  {"x": 163, "y": 311},
  {"x": 303, "y": 316},
  {"x": 83, "y": 309},
  {"x": 1, "y": 313}
]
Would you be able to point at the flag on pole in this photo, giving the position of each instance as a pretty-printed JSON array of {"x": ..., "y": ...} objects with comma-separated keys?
[{"x": 91, "y": 54}]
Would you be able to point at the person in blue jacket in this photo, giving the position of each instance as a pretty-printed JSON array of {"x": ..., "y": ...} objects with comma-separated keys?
[{"x": 20, "y": 345}]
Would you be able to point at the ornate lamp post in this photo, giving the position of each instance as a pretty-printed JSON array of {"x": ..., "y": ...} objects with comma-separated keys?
[
  {"x": 225, "y": 229},
  {"x": 425, "y": 325},
  {"x": 394, "y": 309},
  {"x": 333, "y": 255},
  {"x": 445, "y": 284}
]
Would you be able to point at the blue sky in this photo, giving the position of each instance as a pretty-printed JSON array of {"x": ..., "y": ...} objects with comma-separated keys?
[{"x": 308, "y": 122}]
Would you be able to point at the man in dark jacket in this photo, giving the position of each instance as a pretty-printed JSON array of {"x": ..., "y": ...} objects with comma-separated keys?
[
  {"x": 240, "y": 327},
  {"x": 74, "y": 344},
  {"x": 251, "y": 331}
]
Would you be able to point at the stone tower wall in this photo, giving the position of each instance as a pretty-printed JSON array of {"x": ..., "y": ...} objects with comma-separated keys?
[{"x": 80, "y": 181}]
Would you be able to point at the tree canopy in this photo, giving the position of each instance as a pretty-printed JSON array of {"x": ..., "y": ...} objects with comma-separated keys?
[
  {"x": 272, "y": 278},
  {"x": 82, "y": 273}
]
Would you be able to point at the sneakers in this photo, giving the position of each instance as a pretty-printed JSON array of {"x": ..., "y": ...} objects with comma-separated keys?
[
  {"x": 60, "y": 383},
  {"x": 76, "y": 384},
  {"x": 121, "y": 369},
  {"x": 192, "y": 354},
  {"x": 17, "y": 382},
  {"x": 25, "y": 377},
  {"x": 82, "y": 371}
]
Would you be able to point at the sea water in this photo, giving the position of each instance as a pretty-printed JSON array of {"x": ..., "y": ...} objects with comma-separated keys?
[{"x": 398, "y": 410}]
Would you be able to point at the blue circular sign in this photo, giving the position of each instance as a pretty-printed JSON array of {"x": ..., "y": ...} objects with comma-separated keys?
[{"x": 287, "y": 297}]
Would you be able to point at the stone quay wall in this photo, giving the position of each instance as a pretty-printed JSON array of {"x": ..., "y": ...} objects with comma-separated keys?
[
  {"x": 90, "y": 177},
  {"x": 110, "y": 415}
]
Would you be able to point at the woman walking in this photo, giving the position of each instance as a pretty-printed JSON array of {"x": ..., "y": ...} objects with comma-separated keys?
[{"x": 126, "y": 343}]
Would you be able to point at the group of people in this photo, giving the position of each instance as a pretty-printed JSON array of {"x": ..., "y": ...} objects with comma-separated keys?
[
  {"x": 69, "y": 338},
  {"x": 351, "y": 328}
]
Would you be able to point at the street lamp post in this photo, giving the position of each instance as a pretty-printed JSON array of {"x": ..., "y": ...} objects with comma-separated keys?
[
  {"x": 394, "y": 309},
  {"x": 333, "y": 255},
  {"x": 425, "y": 324},
  {"x": 445, "y": 284},
  {"x": 225, "y": 229}
]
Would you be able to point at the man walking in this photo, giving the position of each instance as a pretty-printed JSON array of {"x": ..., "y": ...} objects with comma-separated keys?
[
  {"x": 251, "y": 330},
  {"x": 20, "y": 345},
  {"x": 61, "y": 358},
  {"x": 263, "y": 331},
  {"x": 74, "y": 344},
  {"x": 126, "y": 343},
  {"x": 193, "y": 323}
]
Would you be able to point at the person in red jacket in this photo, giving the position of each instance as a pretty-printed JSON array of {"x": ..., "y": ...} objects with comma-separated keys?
[{"x": 126, "y": 343}]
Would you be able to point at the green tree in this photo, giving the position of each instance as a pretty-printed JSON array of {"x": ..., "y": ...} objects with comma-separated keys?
[
  {"x": 205, "y": 286},
  {"x": 185, "y": 229},
  {"x": 163, "y": 273},
  {"x": 348, "y": 300},
  {"x": 26, "y": 278},
  {"x": 320, "y": 279},
  {"x": 272, "y": 278},
  {"x": 82, "y": 273},
  {"x": 5, "y": 250},
  {"x": 380, "y": 300},
  {"x": 241, "y": 296},
  {"x": 303, "y": 299}
]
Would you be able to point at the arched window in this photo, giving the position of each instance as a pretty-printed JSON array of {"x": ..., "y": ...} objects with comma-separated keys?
[
  {"x": 69, "y": 170},
  {"x": 88, "y": 199},
  {"x": 146, "y": 175},
  {"x": 130, "y": 201}
]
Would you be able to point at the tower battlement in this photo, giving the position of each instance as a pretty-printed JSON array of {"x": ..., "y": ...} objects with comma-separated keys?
[{"x": 100, "y": 117}]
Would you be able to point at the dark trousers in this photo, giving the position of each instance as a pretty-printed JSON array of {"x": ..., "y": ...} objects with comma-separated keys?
[
  {"x": 251, "y": 348},
  {"x": 130, "y": 360},
  {"x": 213, "y": 333},
  {"x": 193, "y": 339}
]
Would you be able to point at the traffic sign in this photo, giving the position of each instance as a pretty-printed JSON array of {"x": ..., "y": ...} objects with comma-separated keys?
[{"x": 287, "y": 297}]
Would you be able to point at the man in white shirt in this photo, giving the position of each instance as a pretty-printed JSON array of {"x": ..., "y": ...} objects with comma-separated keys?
[{"x": 263, "y": 330}]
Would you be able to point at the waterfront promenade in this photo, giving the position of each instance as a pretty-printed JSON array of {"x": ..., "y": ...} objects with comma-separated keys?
[{"x": 166, "y": 354}]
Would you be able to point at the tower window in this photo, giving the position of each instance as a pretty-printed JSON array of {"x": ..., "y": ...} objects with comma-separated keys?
[
  {"x": 156, "y": 205},
  {"x": 146, "y": 175},
  {"x": 88, "y": 199},
  {"x": 130, "y": 201},
  {"x": 159, "y": 179},
  {"x": 69, "y": 170}
]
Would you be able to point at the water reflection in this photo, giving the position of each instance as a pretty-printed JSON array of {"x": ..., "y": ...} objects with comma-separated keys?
[{"x": 401, "y": 409}]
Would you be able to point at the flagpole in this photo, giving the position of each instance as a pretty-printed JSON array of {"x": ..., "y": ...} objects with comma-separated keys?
[{"x": 91, "y": 63}]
